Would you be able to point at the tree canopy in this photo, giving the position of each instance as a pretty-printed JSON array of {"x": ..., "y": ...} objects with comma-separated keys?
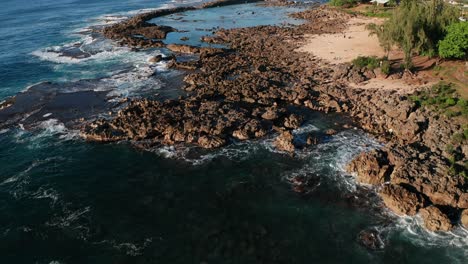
[
  {"x": 416, "y": 26},
  {"x": 455, "y": 43}
]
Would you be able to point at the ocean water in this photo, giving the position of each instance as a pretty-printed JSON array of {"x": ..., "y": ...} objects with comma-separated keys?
[{"x": 63, "y": 200}]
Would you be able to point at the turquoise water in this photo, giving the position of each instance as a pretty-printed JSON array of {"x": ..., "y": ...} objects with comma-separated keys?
[
  {"x": 193, "y": 25},
  {"x": 63, "y": 200}
]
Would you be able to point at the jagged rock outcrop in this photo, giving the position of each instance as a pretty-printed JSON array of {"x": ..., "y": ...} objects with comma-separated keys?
[
  {"x": 464, "y": 218},
  {"x": 284, "y": 142},
  {"x": 401, "y": 200},
  {"x": 371, "y": 167},
  {"x": 434, "y": 219}
]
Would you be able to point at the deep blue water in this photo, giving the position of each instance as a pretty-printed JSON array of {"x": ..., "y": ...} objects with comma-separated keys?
[{"x": 63, "y": 200}]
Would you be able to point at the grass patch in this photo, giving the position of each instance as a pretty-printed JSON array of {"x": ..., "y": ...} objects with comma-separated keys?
[
  {"x": 363, "y": 10},
  {"x": 344, "y": 3},
  {"x": 454, "y": 72},
  {"x": 385, "y": 67},
  {"x": 370, "y": 63},
  {"x": 444, "y": 98},
  {"x": 378, "y": 11}
]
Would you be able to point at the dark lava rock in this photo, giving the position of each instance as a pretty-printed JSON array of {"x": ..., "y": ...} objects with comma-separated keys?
[{"x": 370, "y": 238}]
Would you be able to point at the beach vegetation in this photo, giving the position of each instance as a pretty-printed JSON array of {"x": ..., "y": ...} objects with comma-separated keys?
[
  {"x": 378, "y": 11},
  {"x": 416, "y": 26},
  {"x": 458, "y": 138},
  {"x": 343, "y": 2},
  {"x": 444, "y": 98},
  {"x": 385, "y": 67},
  {"x": 455, "y": 43},
  {"x": 370, "y": 63}
]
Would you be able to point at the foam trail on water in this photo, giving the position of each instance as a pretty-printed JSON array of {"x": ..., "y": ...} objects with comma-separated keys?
[{"x": 334, "y": 154}]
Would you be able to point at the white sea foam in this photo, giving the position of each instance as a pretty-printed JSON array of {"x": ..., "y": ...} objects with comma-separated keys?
[
  {"x": 334, "y": 155},
  {"x": 92, "y": 50},
  {"x": 22, "y": 178},
  {"x": 17, "y": 183},
  {"x": 130, "y": 248},
  {"x": 69, "y": 217},
  {"x": 236, "y": 151},
  {"x": 46, "y": 193},
  {"x": 53, "y": 127},
  {"x": 52, "y": 54}
]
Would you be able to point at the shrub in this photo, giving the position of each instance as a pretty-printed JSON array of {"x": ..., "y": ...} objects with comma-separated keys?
[
  {"x": 385, "y": 67},
  {"x": 343, "y": 2},
  {"x": 464, "y": 174},
  {"x": 366, "y": 62},
  {"x": 455, "y": 43},
  {"x": 450, "y": 102},
  {"x": 451, "y": 113},
  {"x": 449, "y": 148},
  {"x": 458, "y": 138},
  {"x": 462, "y": 103}
]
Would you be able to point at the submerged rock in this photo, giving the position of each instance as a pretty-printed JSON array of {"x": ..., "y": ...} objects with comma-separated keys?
[
  {"x": 155, "y": 59},
  {"x": 370, "y": 239}
]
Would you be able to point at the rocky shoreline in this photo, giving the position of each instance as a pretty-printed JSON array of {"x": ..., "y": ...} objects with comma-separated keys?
[
  {"x": 259, "y": 86},
  {"x": 246, "y": 91}
]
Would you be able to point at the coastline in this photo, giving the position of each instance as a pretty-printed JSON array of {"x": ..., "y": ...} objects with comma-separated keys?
[
  {"x": 394, "y": 168},
  {"x": 256, "y": 104}
]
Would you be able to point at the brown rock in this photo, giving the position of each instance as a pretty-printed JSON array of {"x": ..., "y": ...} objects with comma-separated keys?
[
  {"x": 311, "y": 140},
  {"x": 240, "y": 134},
  {"x": 464, "y": 218},
  {"x": 155, "y": 59},
  {"x": 330, "y": 132},
  {"x": 369, "y": 74},
  {"x": 371, "y": 167},
  {"x": 370, "y": 239},
  {"x": 293, "y": 121},
  {"x": 211, "y": 142},
  {"x": 434, "y": 219},
  {"x": 463, "y": 201},
  {"x": 400, "y": 200},
  {"x": 270, "y": 114},
  {"x": 356, "y": 77},
  {"x": 183, "y": 48},
  {"x": 284, "y": 142}
]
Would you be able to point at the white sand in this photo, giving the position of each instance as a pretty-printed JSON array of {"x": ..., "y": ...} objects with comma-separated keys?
[
  {"x": 353, "y": 42},
  {"x": 344, "y": 47}
]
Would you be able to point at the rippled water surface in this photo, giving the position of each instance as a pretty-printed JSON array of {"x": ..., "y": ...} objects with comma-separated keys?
[{"x": 63, "y": 200}]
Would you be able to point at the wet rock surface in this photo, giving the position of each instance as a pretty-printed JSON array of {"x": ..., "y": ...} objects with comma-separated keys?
[
  {"x": 371, "y": 239},
  {"x": 238, "y": 93},
  {"x": 371, "y": 168},
  {"x": 464, "y": 218},
  {"x": 434, "y": 219},
  {"x": 401, "y": 200}
]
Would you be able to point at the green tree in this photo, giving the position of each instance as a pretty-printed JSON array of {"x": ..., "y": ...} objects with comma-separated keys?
[
  {"x": 416, "y": 26},
  {"x": 455, "y": 43}
]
